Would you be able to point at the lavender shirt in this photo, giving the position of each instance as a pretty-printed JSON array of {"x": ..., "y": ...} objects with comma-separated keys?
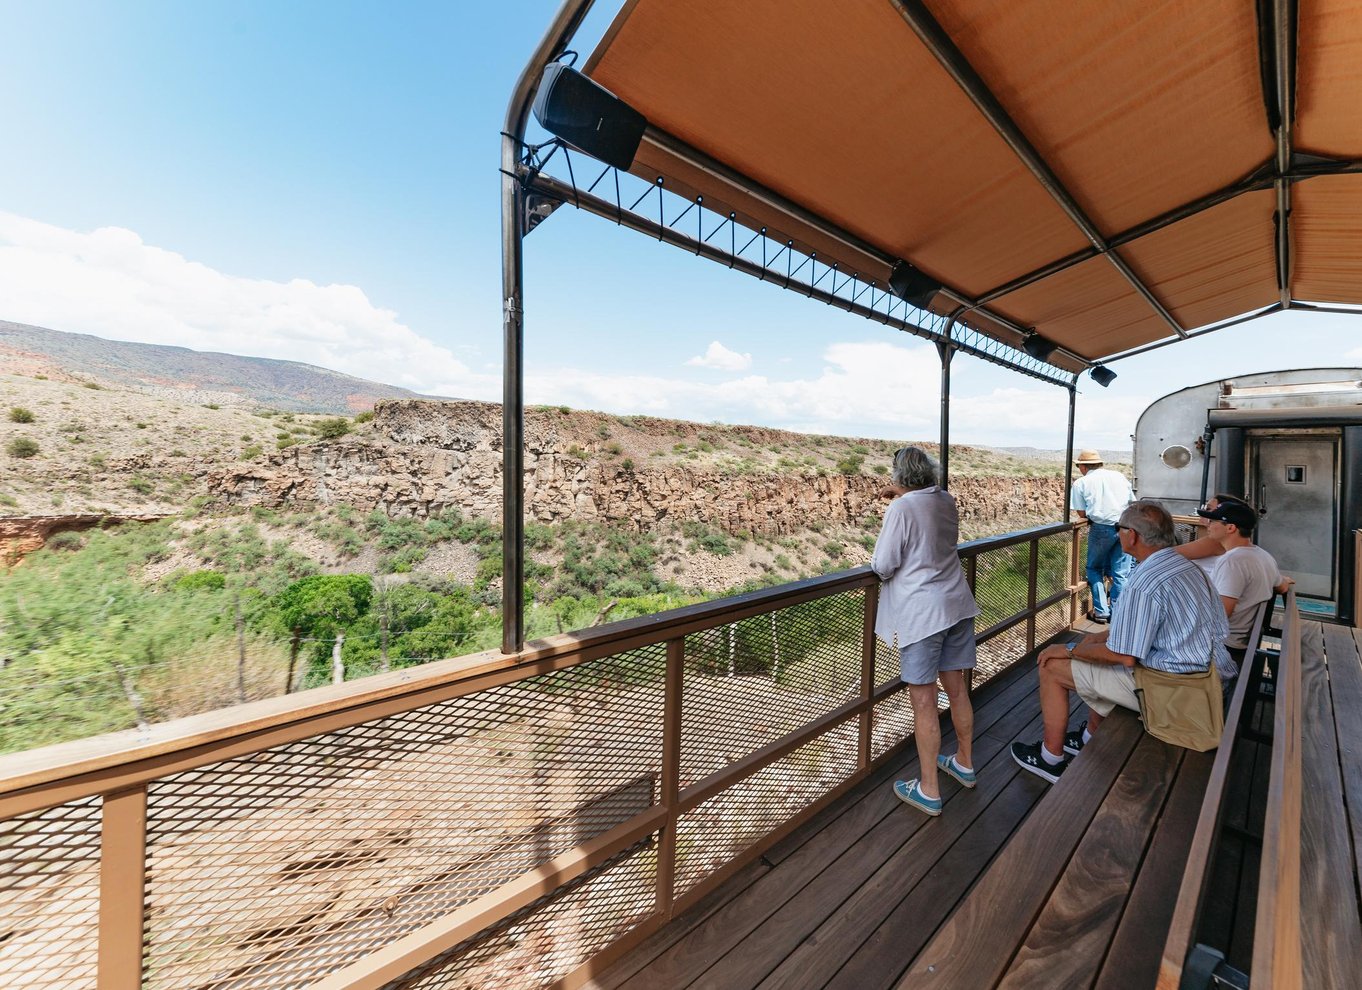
[{"x": 924, "y": 590}]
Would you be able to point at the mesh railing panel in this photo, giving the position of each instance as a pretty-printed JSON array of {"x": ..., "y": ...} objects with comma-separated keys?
[
  {"x": 1052, "y": 621},
  {"x": 1000, "y": 583},
  {"x": 725, "y": 825},
  {"x": 891, "y": 723},
  {"x": 751, "y": 682},
  {"x": 270, "y": 870},
  {"x": 553, "y": 936},
  {"x": 1000, "y": 652},
  {"x": 49, "y": 897},
  {"x": 1052, "y": 564}
]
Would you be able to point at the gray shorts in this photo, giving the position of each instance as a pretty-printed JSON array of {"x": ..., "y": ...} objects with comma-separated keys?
[{"x": 949, "y": 649}]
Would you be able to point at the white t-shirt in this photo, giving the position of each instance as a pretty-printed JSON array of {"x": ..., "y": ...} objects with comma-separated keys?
[{"x": 1248, "y": 574}]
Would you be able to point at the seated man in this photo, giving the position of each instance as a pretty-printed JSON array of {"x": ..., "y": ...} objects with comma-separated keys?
[
  {"x": 1169, "y": 619},
  {"x": 1245, "y": 576},
  {"x": 1206, "y": 550}
]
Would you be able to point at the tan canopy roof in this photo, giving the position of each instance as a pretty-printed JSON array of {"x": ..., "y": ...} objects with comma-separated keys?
[{"x": 1106, "y": 173}]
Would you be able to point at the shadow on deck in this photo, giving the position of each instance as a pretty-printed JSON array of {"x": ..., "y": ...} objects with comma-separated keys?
[{"x": 1016, "y": 884}]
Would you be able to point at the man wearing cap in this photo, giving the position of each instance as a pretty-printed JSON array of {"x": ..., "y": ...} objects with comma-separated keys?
[
  {"x": 1100, "y": 495},
  {"x": 1245, "y": 575}
]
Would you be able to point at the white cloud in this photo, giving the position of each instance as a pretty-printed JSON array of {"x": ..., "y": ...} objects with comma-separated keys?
[
  {"x": 720, "y": 358},
  {"x": 111, "y": 284}
]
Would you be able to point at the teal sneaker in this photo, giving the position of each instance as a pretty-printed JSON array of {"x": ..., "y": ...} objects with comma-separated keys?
[
  {"x": 947, "y": 764},
  {"x": 910, "y": 792}
]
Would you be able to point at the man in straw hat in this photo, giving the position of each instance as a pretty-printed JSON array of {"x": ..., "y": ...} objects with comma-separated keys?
[{"x": 1100, "y": 495}]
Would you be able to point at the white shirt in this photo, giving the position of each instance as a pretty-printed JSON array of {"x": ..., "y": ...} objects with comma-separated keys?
[
  {"x": 1248, "y": 574},
  {"x": 924, "y": 590},
  {"x": 1102, "y": 494}
]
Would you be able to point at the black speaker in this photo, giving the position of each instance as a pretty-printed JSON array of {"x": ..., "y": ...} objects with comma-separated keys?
[
  {"x": 1102, "y": 375},
  {"x": 909, "y": 284},
  {"x": 1038, "y": 347},
  {"x": 588, "y": 116}
]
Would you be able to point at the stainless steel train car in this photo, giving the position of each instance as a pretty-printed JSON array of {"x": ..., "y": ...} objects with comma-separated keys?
[{"x": 1290, "y": 443}]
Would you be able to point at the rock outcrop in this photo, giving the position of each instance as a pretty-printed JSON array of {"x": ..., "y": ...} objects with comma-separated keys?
[{"x": 421, "y": 458}]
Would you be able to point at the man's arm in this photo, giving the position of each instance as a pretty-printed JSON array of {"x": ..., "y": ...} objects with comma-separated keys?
[
  {"x": 1092, "y": 648},
  {"x": 1229, "y": 604},
  {"x": 1199, "y": 548}
]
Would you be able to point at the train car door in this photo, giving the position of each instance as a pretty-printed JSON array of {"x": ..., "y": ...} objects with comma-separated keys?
[{"x": 1295, "y": 484}]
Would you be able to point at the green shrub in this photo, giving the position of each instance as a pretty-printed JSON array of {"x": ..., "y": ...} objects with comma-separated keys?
[
  {"x": 851, "y": 464},
  {"x": 252, "y": 452},
  {"x": 211, "y": 405},
  {"x": 364, "y": 417},
  {"x": 18, "y": 414},
  {"x": 205, "y": 580},
  {"x": 333, "y": 429},
  {"x": 21, "y": 447},
  {"x": 881, "y": 469},
  {"x": 141, "y": 485},
  {"x": 627, "y": 464},
  {"x": 94, "y": 385}
]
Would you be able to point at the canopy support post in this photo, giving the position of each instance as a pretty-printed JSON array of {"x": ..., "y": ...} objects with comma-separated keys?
[
  {"x": 947, "y": 351},
  {"x": 1069, "y": 452},
  {"x": 564, "y": 25}
]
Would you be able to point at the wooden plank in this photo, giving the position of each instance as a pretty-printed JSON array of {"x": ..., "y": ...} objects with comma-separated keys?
[
  {"x": 833, "y": 862},
  {"x": 1135, "y": 952},
  {"x": 872, "y": 936},
  {"x": 879, "y": 961},
  {"x": 122, "y": 882},
  {"x": 994, "y": 700},
  {"x": 1067, "y": 943},
  {"x": 1276, "y": 932},
  {"x": 975, "y": 945},
  {"x": 1344, "y": 657},
  {"x": 1331, "y": 927}
]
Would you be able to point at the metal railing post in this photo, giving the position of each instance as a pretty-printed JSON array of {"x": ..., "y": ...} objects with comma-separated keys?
[
  {"x": 122, "y": 882},
  {"x": 671, "y": 775},
  {"x": 1074, "y": 546},
  {"x": 867, "y": 717},
  {"x": 1033, "y": 572}
]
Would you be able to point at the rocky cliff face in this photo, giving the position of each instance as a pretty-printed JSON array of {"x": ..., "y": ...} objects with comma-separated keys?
[{"x": 420, "y": 458}]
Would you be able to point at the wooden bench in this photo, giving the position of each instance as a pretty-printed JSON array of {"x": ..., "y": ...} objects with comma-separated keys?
[{"x": 1086, "y": 892}]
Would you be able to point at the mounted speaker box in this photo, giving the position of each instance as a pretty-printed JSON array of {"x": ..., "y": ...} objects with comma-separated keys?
[
  {"x": 588, "y": 116},
  {"x": 913, "y": 286}
]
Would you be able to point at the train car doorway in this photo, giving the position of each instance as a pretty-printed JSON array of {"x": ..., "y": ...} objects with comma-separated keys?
[{"x": 1295, "y": 484}]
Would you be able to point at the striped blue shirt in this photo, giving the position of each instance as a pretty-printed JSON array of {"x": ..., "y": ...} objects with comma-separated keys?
[{"x": 1169, "y": 618}]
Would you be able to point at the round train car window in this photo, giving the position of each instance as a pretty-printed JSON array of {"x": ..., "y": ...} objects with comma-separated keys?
[{"x": 1176, "y": 456}]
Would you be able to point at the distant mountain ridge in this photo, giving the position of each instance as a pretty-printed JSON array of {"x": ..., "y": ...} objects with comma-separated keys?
[{"x": 286, "y": 385}]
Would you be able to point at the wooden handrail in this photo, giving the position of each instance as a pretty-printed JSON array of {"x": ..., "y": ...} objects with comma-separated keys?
[
  {"x": 1197, "y": 870},
  {"x": 1276, "y": 930}
]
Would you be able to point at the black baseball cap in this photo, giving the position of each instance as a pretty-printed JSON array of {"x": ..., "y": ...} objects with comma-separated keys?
[{"x": 1242, "y": 516}]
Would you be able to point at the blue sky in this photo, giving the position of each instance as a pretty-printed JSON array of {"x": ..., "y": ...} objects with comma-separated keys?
[{"x": 319, "y": 182}]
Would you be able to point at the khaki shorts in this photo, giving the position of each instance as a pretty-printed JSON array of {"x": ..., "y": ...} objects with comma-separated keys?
[{"x": 1103, "y": 686}]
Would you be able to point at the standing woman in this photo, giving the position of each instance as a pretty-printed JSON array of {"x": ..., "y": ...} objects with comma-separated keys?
[{"x": 926, "y": 612}]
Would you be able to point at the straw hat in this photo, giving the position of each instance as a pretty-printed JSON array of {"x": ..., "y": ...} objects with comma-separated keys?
[{"x": 1088, "y": 456}]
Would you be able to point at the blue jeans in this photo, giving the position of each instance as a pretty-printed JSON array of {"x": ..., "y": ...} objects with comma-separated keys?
[{"x": 1106, "y": 559}]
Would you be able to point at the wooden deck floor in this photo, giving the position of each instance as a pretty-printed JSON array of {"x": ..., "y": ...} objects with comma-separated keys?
[
  {"x": 854, "y": 897},
  {"x": 850, "y": 898}
]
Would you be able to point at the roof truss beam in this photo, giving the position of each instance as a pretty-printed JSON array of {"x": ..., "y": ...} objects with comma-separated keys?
[
  {"x": 943, "y": 49},
  {"x": 1277, "y": 40}
]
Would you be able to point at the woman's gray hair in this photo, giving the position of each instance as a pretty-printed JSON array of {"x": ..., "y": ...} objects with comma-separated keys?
[
  {"x": 1151, "y": 522},
  {"x": 913, "y": 468}
]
